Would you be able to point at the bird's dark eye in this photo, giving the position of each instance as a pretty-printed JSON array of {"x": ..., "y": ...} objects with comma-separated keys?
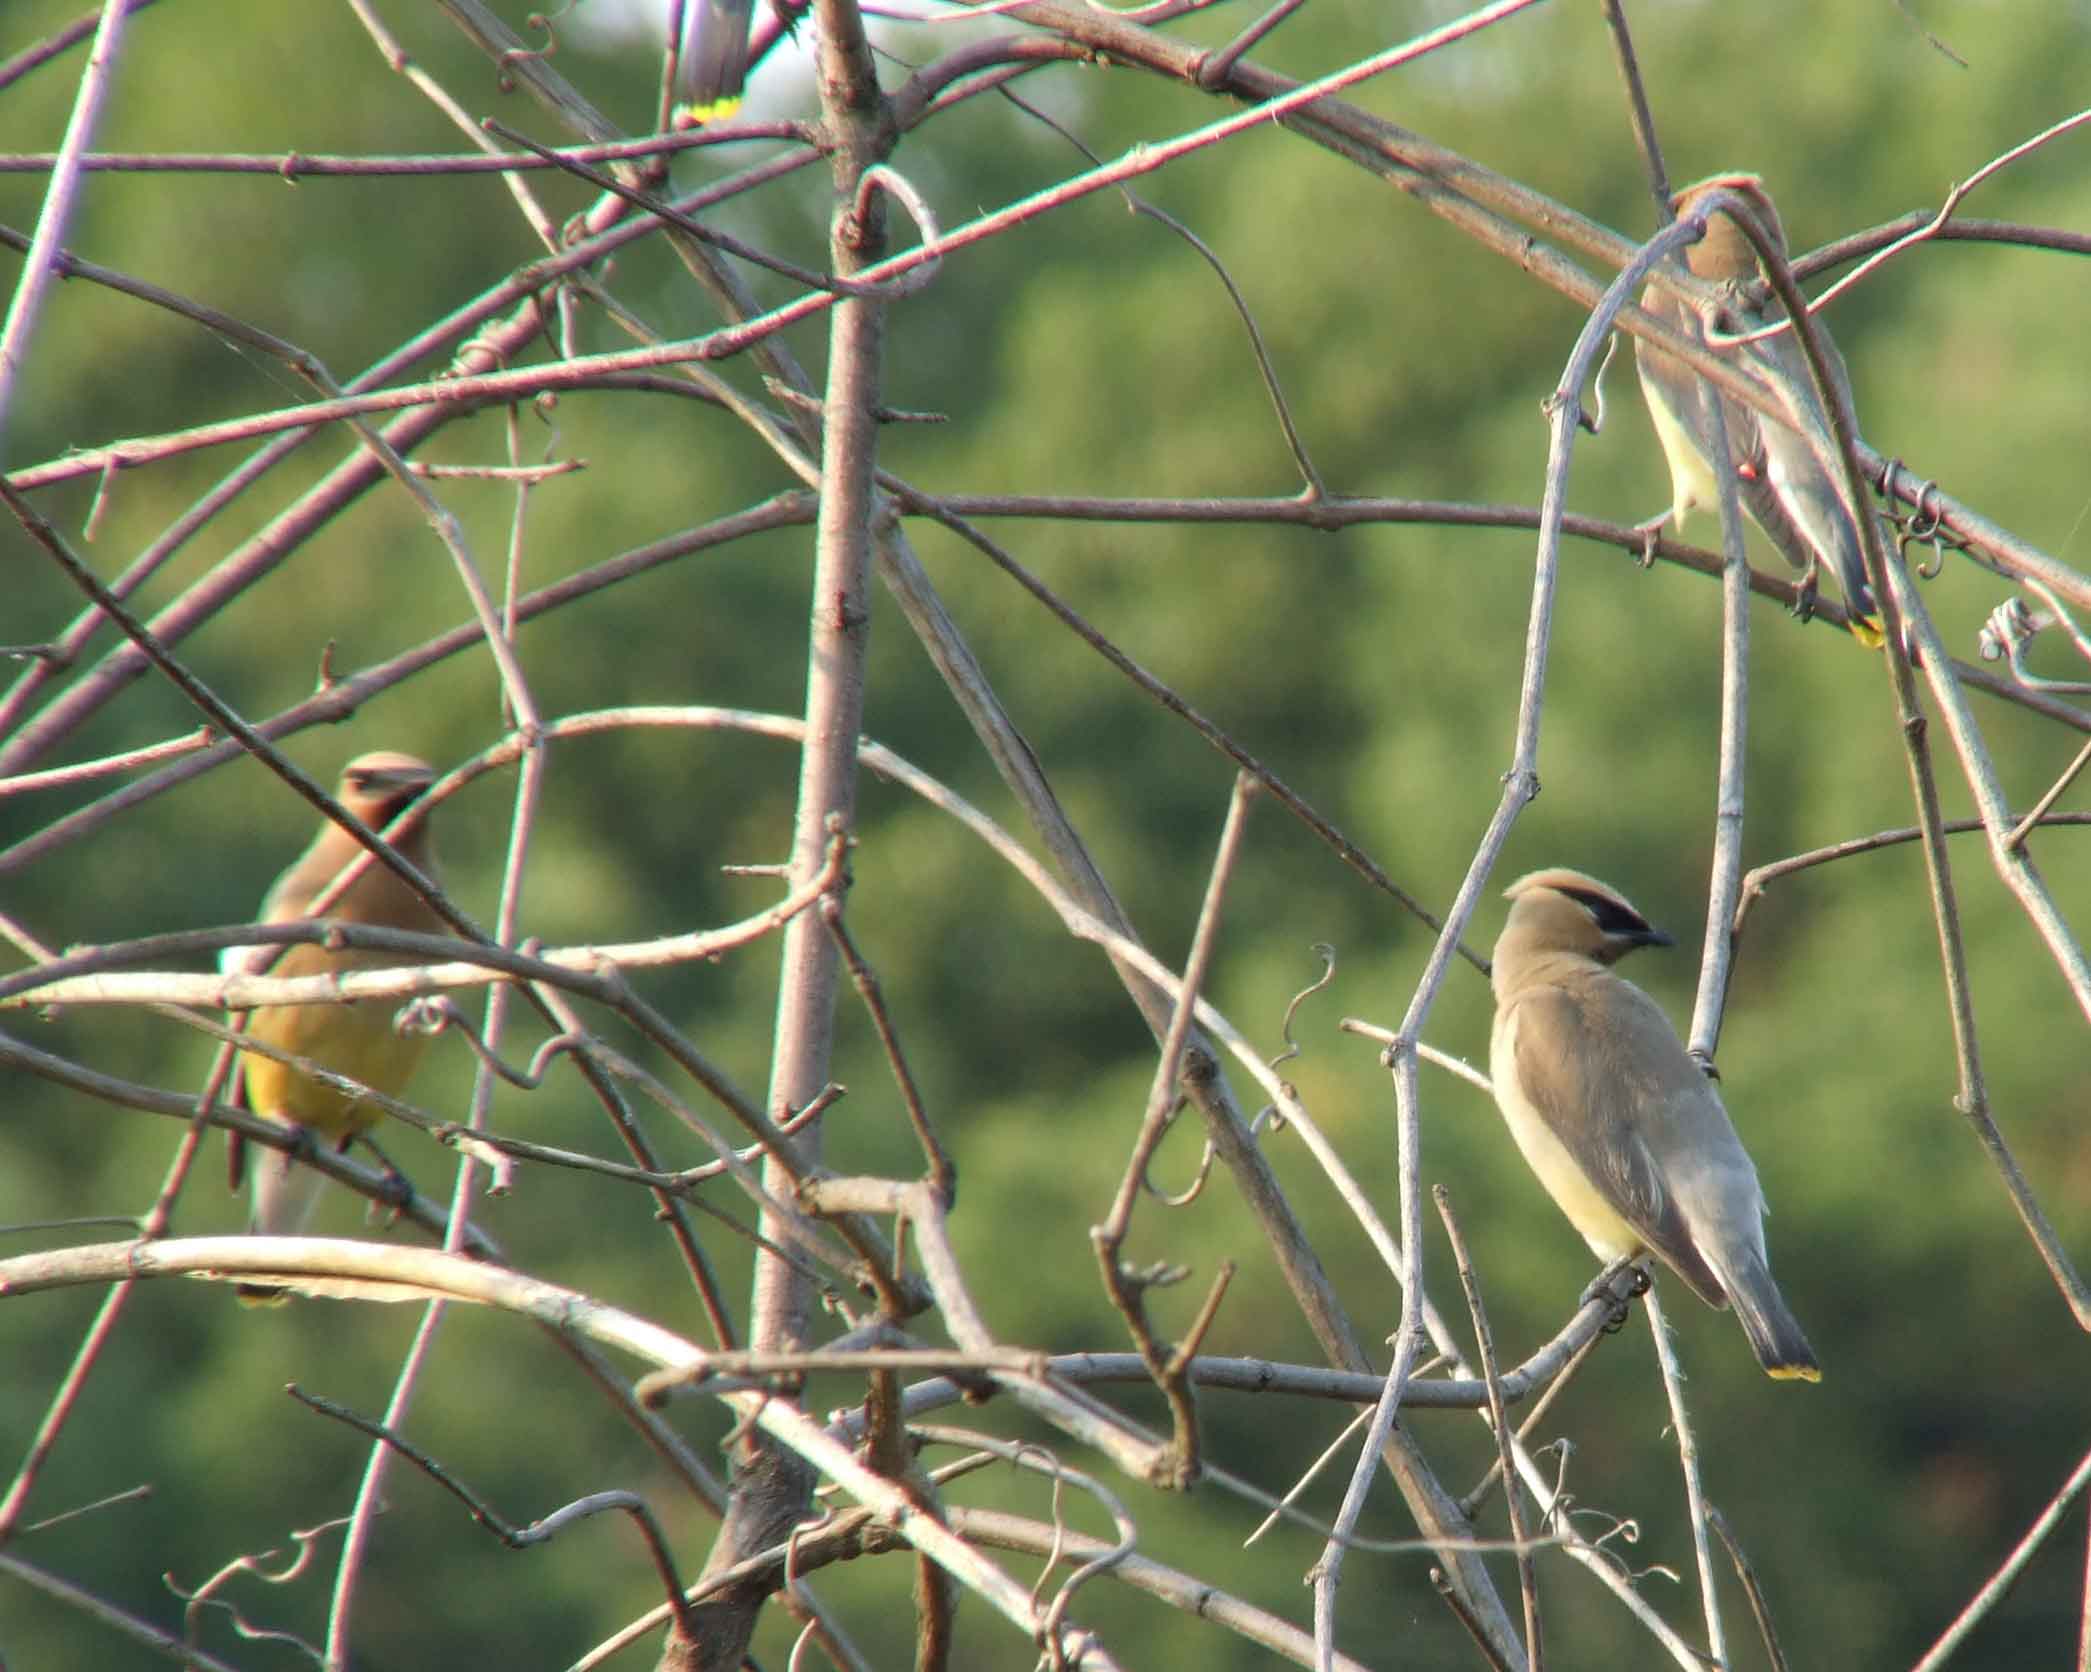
[{"x": 1613, "y": 917}]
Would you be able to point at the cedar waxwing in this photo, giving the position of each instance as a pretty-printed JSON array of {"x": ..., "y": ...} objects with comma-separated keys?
[
  {"x": 358, "y": 1039},
  {"x": 1623, "y": 1128},
  {"x": 1782, "y": 484},
  {"x": 714, "y": 60}
]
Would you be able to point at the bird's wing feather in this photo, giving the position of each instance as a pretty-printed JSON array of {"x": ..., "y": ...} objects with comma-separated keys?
[
  {"x": 285, "y": 902},
  {"x": 715, "y": 61},
  {"x": 1576, "y": 1085},
  {"x": 1808, "y": 485},
  {"x": 1678, "y": 387}
]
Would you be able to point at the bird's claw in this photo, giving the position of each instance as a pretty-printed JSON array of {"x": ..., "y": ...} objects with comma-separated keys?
[
  {"x": 2007, "y": 631},
  {"x": 1649, "y": 531},
  {"x": 395, "y": 1191},
  {"x": 1600, "y": 1288},
  {"x": 1804, "y": 596}
]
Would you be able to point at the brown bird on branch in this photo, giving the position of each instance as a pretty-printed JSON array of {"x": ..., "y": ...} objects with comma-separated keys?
[
  {"x": 1623, "y": 1128},
  {"x": 359, "y": 1040},
  {"x": 1786, "y": 489}
]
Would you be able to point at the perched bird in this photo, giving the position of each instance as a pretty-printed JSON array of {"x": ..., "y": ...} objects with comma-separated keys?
[
  {"x": 714, "y": 61},
  {"x": 1621, "y": 1125},
  {"x": 1783, "y": 485},
  {"x": 358, "y": 1039}
]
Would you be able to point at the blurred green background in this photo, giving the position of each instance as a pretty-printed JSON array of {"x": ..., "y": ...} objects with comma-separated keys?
[{"x": 1375, "y": 670}]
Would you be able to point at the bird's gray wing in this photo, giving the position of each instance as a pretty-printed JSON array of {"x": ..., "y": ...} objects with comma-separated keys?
[
  {"x": 286, "y": 900},
  {"x": 1809, "y": 488},
  {"x": 1680, "y": 385},
  {"x": 1576, "y": 1076}
]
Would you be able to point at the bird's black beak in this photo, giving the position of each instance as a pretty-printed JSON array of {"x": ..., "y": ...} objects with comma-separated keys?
[{"x": 394, "y": 783}]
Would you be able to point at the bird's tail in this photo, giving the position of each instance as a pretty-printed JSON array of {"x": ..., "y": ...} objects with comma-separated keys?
[
  {"x": 284, "y": 1192},
  {"x": 1773, "y": 1331},
  {"x": 1861, "y": 614},
  {"x": 284, "y": 1195},
  {"x": 1866, "y": 629},
  {"x": 1804, "y": 512},
  {"x": 715, "y": 61}
]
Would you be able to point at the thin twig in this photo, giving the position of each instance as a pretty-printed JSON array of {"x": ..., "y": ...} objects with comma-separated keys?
[
  {"x": 1224, "y": 742},
  {"x": 1316, "y": 489},
  {"x": 1758, "y": 883},
  {"x": 943, "y": 1174},
  {"x": 66, "y": 777},
  {"x": 1688, "y": 1464},
  {"x": 106, "y": 1614},
  {"x": 540, "y": 1531},
  {"x": 1938, "y": 222},
  {"x": 1473, "y": 1501},
  {"x": 1724, "y": 872},
  {"x": 1760, "y": 1607},
  {"x": 2000, "y": 1582},
  {"x": 1639, "y": 115},
  {"x": 61, "y": 194},
  {"x": 2016, "y": 840},
  {"x": 1485, "y": 1347},
  {"x": 1108, "y": 1238}
]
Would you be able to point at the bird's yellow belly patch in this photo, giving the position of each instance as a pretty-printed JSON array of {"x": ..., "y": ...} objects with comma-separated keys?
[
  {"x": 1599, "y": 1224},
  {"x": 353, "y": 1039},
  {"x": 1692, "y": 484}
]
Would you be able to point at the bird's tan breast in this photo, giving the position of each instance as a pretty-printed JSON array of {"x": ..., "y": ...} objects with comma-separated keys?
[
  {"x": 1692, "y": 484},
  {"x": 358, "y": 1040},
  {"x": 1609, "y": 1235}
]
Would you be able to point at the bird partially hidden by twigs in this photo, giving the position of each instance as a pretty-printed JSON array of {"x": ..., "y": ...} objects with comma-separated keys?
[
  {"x": 360, "y": 1039},
  {"x": 1784, "y": 486}
]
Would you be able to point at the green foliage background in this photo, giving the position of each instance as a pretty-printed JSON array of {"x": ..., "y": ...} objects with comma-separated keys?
[{"x": 1375, "y": 670}]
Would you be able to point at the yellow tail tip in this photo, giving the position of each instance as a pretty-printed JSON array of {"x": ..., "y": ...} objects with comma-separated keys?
[
  {"x": 1866, "y": 629},
  {"x": 714, "y": 110},
  {"x": 1793, "y": 1372}
]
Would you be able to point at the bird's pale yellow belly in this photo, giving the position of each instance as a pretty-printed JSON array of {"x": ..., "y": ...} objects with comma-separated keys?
[
  {"x": 353, "y": 1039},
  {"x": 1600, "y": 1225}
]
